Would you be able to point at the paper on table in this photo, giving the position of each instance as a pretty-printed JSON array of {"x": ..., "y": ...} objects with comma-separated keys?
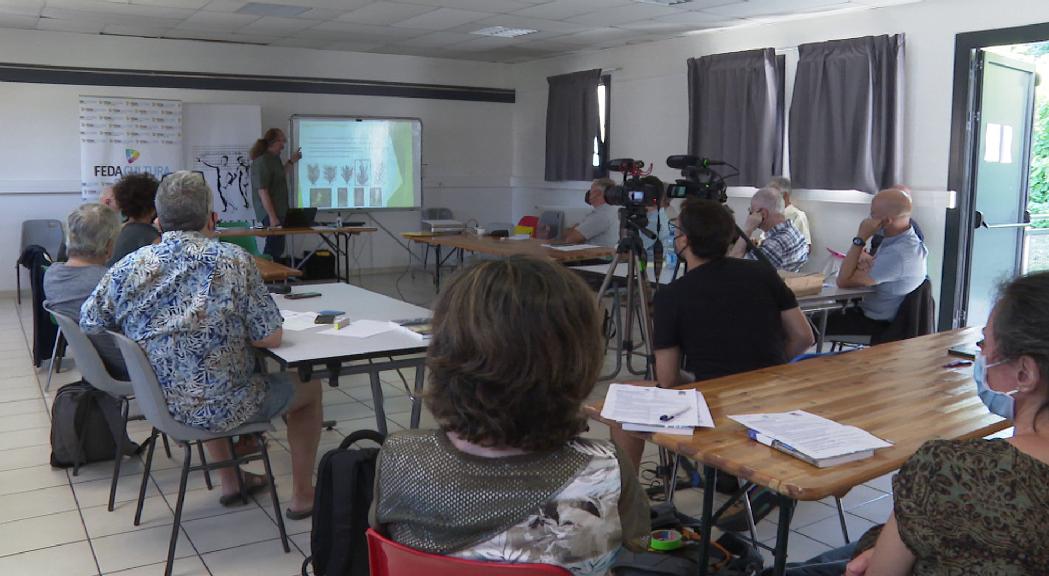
[
  {"x": 570, "y": 247},
  {"x": 812, "y": 435},
  {"x": 362, "y": 329},
  {"x": 646, "y": 404},
  {"x": 297, "y": 321}
]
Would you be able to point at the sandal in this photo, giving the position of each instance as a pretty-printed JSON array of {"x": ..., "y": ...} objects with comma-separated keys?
[
  {"x": 253, "y": 484},
  {"x": 300, "y": 515}
]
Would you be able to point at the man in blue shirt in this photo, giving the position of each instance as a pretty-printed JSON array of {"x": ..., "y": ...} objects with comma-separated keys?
[
  {"x": 199, "y": 308},
  {"x": 897, "y": 270}
]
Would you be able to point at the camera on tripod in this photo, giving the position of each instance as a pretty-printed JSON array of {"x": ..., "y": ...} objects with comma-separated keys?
[
  {"x": 635, "y": 193},
  {"x": 698, "y": 180}
]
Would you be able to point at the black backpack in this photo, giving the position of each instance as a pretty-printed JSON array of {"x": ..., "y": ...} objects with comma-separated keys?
[
  {"x": 85, "y": 422},
  {"x": 343, "y": 497}
]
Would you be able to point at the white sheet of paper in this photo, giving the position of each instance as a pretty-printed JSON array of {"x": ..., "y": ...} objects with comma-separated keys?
[
  {"x": 812, "y": 435},
  {"x": 362, "y": 329},
  {"x": 570, "y": 247},
  {"x": 646, "y": 405},
  {"x": 298, "y": 321}
]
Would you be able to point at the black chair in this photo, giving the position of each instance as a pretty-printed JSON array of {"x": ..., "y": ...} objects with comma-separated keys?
[{"x": 916, "y": 317}]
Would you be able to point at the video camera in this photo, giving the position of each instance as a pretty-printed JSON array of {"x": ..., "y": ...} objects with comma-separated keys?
[
  {"x": 699, "y": 179},
  {"x": 635, "y": 192}
]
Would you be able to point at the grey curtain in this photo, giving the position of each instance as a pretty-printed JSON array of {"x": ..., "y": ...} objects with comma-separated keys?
[
  {"x": 572, "y": 123},
  {"x": 732, "y": 112},
  {"x": 846, "y": 116}
]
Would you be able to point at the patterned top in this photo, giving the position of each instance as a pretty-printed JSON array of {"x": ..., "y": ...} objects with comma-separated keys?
[
  {"x": 574, "y": 507},
  {"x": 785, "y": 247},
  {"x": 973, "y": 507},
  {"x": 195, "y": 305}
]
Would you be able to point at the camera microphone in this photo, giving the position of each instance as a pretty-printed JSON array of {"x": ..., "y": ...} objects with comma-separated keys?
[{"x": 683, "y": 161}]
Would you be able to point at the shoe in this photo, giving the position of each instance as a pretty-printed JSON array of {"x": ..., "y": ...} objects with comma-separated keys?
[
  {"x": 300, "y": 515},
  {"x": 762, "y": 502}
]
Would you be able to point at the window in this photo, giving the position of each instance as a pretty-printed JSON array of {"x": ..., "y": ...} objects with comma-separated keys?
[{"x": 601, "y": 141}]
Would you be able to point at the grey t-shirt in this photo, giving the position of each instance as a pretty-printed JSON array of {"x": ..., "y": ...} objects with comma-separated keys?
[
  {"x": 899, "y": 268},
  {"x": 601, "y": 226},
  {"x": 133, "y": 236},
  {"x": 65, "y": 289}
]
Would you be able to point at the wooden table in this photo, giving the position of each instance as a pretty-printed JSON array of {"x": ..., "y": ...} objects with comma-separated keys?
[
  {"x": 899, "y": 392},
  {"x": 334, "y": 237},
  {"x": 274, "y": 272},
  {"x": 500, "y": 247}
]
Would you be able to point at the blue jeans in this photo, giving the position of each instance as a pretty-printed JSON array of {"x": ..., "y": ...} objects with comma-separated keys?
[{"x": 274, "y": 244}]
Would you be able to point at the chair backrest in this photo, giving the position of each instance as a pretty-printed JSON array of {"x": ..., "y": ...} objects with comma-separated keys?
[
  {"x": 249, "y": 243},
  {"x": 87, "y": 359},
  {"x": 550, "y": 225},
  {"x": 437, "y": 214},
  {"x": 915, "y": 317},
  {"x": 388, "y": 558},
  {"x": 46, "y": 233}
]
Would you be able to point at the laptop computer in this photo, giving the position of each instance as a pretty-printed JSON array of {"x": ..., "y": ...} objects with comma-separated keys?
[{"x": 300, "y": 217}]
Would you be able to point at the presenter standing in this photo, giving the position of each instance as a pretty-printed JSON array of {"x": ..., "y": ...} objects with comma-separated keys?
[{"x": 269, "y": 185}]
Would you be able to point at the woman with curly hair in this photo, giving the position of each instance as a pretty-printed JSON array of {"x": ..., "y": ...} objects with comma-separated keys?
[
  {"x": 135, "y": 194},
  {"x": 516, "y": 350}
]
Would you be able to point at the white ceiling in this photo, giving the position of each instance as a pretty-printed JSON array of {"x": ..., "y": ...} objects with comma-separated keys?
[{"x": 436, "y": 28}]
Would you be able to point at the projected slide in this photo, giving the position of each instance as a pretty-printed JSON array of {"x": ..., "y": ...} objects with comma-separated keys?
[{"x": 350, "y": 163}]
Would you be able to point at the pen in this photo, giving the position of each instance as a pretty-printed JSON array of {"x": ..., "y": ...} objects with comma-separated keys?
[
  {"x": 669, "y": 417},
  {"x": 957, "y": 364}
]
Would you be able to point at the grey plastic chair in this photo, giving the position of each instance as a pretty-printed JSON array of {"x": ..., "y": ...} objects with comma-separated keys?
[
  {"x": 550, "y": 226},
  {"x": 46, "y": 233},
  {"x": 151, "y": 401}
]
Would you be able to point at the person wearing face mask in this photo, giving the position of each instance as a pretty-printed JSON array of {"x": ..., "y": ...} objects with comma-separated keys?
[
  {"x": 784, "y": 246},
  {"x": 724, "y": 316},
  {"x": 897, "y": 270},
  {"x": 601, "y": 225},
  {"x": 972, "y": 506}
]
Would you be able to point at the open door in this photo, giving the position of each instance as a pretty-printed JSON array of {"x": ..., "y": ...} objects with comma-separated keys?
[{"x": 1002, "y": 126}]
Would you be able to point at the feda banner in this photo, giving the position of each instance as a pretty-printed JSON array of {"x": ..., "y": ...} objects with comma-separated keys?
[{"x": 120, "y": 136}]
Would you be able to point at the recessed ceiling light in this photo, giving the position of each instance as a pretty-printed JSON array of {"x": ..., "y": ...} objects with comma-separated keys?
[
  {"x": 504, "y": 32},
  {"x": 263, "y": 9},
  {"x": 663, "y": 2}
]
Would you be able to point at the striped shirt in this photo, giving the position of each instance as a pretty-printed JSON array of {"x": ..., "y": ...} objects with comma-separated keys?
[{"x": 785, "y": 247}]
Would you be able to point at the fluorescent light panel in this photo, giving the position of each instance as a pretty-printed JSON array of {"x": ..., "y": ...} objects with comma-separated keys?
[{"x": 503, "y": 32}]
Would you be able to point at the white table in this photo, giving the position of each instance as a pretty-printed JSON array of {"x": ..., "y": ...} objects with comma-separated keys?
[{"x": 315, "y": 354}]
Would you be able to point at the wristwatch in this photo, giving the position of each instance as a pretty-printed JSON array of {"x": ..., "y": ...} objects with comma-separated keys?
[{"x": 857, "y": 241}]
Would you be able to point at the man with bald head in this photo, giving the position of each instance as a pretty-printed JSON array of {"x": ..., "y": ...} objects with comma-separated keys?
[
  {"x": 897, "y": 269},
  {"x": 784, "y": 246}
]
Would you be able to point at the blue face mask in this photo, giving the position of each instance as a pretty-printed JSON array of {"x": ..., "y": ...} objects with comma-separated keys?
[{"x": 998, "y": 403}]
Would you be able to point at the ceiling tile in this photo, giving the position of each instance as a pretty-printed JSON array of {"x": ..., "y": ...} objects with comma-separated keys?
[
  {"x": 438, "y": 40},
  {"x": 276, "y": 26},
  {"x": 132, "y": 30},
  {"x": 23, "y": 7},
  {"x": 296, "y": 42},
  {"x": 384, "y": 13},
  {"x": 515, "y": 21},
  {"x": 189, "y": 4},
  {"x": 442, "y": 19},
  {"x": 559, "y": 9},
  {"x": 108, "y": 17},
  {"x": 486, "y": 43},
  {"x": 343, "y": 30},
  {"x": 321, "y": 14},
  {"x": 496, "y": 6},
  {"x": 623, "y": 14},
  {"x": 762, "y": 8},
  {"x": 701, "y": 19},
  {"x": 351, "y": 46},
  {"x": 18, "y": 21},
  {"x": 219, "y": 21},
  {"x": 669, "y": 29},
  {"x": 225, "y": 5},
  {"x": 80, "y": 26}
]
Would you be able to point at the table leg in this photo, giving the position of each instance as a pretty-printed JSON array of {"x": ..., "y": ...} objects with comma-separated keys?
[
  {"x": 822, "y": 331},
  {"x": 377, "y": 399},
  {"x": 786, "y": 512},
  {"x": 708, "y": 510},
  {"x": 437, "y": 271},
  {"x": 417, "y": 403}
]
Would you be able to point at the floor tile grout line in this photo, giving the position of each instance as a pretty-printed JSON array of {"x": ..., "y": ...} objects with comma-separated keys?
[
  {"x": 181, "y": 528},
  {"x": 83, "y": 523}
]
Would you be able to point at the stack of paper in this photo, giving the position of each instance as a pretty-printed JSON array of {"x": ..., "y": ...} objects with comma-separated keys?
[
  {"x": 813, "y": 439},
  {"x": 362, "y": 329},
  {"x": 570, "y": 247},
  {"x": 651, "y": 409},
  {"x": 298, "y": 321}
]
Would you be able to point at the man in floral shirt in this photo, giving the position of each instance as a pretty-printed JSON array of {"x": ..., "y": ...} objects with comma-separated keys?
[{"x": 199, "y": 308}]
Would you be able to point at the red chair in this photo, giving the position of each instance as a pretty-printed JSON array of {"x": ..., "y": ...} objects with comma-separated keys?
[{"x": 388, "y": 558}]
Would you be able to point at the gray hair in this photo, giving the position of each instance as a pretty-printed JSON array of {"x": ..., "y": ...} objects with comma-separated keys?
[
  {"x": 770, "y": 199},
  {"x": 781, "y": 183},
  {"x": 91, "y": 230},
  {"x": 183, "y": 202}
]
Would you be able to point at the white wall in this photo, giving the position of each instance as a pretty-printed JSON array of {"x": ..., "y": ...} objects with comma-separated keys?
[
  {"x": 466, "y": 151},
  {"x": 650, "y": 109}
]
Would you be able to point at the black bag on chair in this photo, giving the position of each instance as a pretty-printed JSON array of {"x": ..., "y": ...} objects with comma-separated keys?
[{"x": 343, "y": 497}]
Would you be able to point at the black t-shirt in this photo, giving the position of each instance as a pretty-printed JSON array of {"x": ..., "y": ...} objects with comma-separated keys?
[{"x": 725, "y": 317}]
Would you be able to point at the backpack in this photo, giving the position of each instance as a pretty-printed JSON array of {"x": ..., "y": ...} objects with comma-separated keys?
[
  {"x": 730, "y": 555},
  {"x": 343, "y": 497},
  {"x": 85, "y": 422}
]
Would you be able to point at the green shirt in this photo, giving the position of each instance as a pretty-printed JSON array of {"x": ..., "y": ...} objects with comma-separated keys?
[{"x": 267, "y": 173}]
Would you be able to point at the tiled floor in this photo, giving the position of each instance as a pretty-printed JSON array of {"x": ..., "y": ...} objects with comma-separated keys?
[{"x": 54, "y": 523}]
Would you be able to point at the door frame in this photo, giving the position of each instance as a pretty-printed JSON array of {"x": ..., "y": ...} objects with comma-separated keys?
[{"x": 957, "y": 247}]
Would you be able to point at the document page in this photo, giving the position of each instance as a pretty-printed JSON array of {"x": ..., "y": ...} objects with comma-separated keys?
[
  {"x": 648, "y": 405},
  {"x": 570, "y": 247},
  {"x": 810, "y": 434},
  {"x": 298, "y": 321},
  {"x": 362, "y": 329}
]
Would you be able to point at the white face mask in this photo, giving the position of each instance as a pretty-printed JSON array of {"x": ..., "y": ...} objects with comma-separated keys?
[{"x": 1000, "y": 403}]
